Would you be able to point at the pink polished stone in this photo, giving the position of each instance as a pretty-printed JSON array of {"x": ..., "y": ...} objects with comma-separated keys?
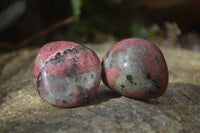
[
  {"x": 66, "y": 74},
  {"x": 136, "y": 68}
]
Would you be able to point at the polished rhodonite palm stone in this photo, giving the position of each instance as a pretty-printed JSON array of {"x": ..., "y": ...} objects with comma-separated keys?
[
  {"x": 136, "y": 68},
  {"x": 66, "y": 74}
]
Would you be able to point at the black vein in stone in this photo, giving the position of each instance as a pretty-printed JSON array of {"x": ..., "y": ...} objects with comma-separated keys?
[
  {"x": 148, "y": 76},
  {"x": 38, "y": 80},
  {"x": 58, "y": 58},
  {"x": 130, "y": 79},
  {"x": 122, "y": 87}
]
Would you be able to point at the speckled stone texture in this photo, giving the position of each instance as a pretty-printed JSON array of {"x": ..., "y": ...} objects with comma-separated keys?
[
  {"x": 66, "y": 74},
  {"x": 136, "y": 68},
  {"x": 177, "y": 111}
]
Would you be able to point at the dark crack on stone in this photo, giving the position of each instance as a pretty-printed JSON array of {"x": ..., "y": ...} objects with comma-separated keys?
[
  {"x": 130, "y": 79},
  {"x": 122, "y": 87},
  {"x": 58, "y": 59},
  {"x": 67, "y": 51},
  {"x": 58, "y": 55},
  {"x": 38, "y": 80},
  {"x": 148, "y": 76}
]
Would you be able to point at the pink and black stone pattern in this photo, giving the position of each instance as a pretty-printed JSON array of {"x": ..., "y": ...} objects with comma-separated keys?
[
  {"x": 135, "y": 68},
  {"x": 66, "y": 74}
]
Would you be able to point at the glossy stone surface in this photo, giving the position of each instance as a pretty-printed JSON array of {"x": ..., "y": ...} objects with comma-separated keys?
[
  {"x": 66, "y": 74},
  {"x": 136, "y": 68}
]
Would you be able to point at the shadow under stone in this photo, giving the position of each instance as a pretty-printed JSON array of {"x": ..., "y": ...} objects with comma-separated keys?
[
  {"x": 103, "y": 94},
  {"x": 177, "y": 94}
]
